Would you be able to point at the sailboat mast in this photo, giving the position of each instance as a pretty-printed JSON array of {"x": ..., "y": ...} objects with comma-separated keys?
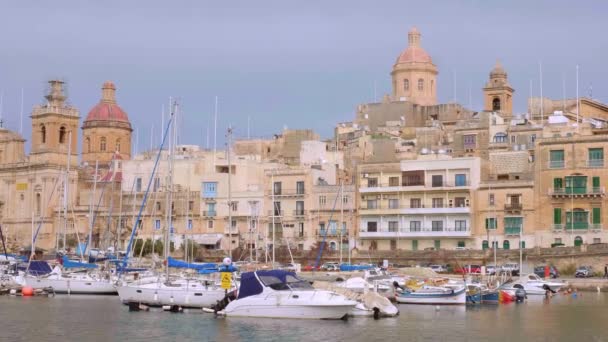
[
  {"x": 168, "y": 210},
  {"x": 65, "y": 190},
  {"x": 89, "y": 241},
  {"x": 341, "y": 217},
  {"x": 228, "y": 143}
]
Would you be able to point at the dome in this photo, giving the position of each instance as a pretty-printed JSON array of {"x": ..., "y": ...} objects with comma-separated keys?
[
  {"x": 414, "y": 53},
  {"x": 107, "y": 109},
  {"x": 498, "y": 71}
]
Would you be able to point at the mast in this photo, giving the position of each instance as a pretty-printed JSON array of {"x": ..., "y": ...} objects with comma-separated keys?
[
  {"x": 341, "y": 216},
  {"x": 168, "y": 209},
  {"x": 109, "y": 224},
  {"x": 119, "y": 229},
  {"x": 274, "y": 212},
  {"x": 92, "y": 197},
  {"x": 577, "y": 100},
  {"x": 215, "y": 131},
  {"x": 229, "y": 136},
  {"x": 65, "y": 191}
]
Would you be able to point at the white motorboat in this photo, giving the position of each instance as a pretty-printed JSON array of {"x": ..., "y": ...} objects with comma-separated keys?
[
  {"x": 447, "y": 294},
  {"x": 533, "y": 285},
  {"x": 82, "y": 282},
  {"x": 184, "y": 292},
  {"x": 280, "y": 294}
]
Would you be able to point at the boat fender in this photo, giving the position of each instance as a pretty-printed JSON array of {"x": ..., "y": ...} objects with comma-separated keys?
[{"x": 376, "y": 313}]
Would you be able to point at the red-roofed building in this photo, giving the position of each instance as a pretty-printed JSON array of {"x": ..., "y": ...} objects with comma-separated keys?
[{"x": 106, "y": 130}]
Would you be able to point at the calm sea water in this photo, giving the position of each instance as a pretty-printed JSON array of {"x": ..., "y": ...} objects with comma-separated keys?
[{"x": 86, "y": 318}]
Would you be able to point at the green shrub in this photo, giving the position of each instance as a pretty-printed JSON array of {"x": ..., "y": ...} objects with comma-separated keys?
[{"x": 568, "y": 269}]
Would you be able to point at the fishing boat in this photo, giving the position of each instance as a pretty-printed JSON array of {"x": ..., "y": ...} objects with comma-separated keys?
[
  {"x": 481, "y": 294},
  {"x": 281, "y": 294},
  {"x": 533, "y": 285},
  {"x": 427, "y": 294}
]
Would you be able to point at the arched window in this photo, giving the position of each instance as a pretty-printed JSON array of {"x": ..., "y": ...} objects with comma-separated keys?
[
  {"x": 420, "y": 84},
  {"x": 506, "y": 244},
  {"x": 43, "y": 134},
  {"x": 500, "y": 137},
  {"x": 117, "y": 145},
  {"x": 406, "y": 84},
  {"x": 38, "y": 205},
  {"x": 485, "y": 244},
  {"x": 102, "y": 144},
  {"x": 62, "y": 135},
  {"x": 88, "y": 144},
  {"x": 496, "y": 104},
  {"x": 578, "y": 241}
]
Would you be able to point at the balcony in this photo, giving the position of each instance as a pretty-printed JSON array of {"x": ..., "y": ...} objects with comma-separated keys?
[
  {"x": 556, "y": 164},
  {"x": 275, "y": 213},
  {"x": 416, "y": 233},
  {"x": 416, "y": 210},
  {"x": 209, "y": 213},
  {"x": 512, "y": 230},
  {"x": 385, "y": 187},
  {"x": 284, "y": 193},
  {"x": 575, "y": 192},
  {"x": 513, "y": 207},
  {"x": 595, "y": 163},
  {"x": 231, "y": 231},
  {"x": 558, "y": 227},
  {"x": 299, "y": 213}
]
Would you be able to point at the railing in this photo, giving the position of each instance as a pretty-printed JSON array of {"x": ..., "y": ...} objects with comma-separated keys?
[
  {"x": 576, "y": 225},
  {"x": 331, "y": 232},
  {"x": 286, "y": 192},
  {"x": 209, "y": 213},
  {"x": 596, "y": 226},
  {"x": 443, "y": 184},
  {"x": 512, "y": 230},
  {"x": 567, "y": 191},
  {"x": 556, "y": 164},
  {"x": 422, "y": 206},
  {"x": 275, "y": 213},
  {"x": 513, "y": 206},
  {"x": 558, "y": 227},
  {"x": 299, "y": 212},
  {"x": 595, "y": 163},
  {"x": 421, "y": 232}
]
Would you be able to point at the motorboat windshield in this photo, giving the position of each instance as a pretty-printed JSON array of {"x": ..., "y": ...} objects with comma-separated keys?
[{"x": 291, "y": 283}]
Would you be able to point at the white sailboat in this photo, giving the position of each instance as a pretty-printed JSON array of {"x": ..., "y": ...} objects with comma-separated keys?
[
  {"x": 280, "y": 294},
  {"x": 72, "y": 283}
]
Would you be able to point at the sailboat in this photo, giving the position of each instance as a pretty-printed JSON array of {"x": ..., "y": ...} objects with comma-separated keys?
[{"x": 163, "y": 289}]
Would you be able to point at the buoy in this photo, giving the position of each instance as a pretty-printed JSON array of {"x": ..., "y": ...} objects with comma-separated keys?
[{"x": 27, "y": 291}]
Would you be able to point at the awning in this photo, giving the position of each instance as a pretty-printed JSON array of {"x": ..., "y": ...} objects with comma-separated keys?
[{"x": 208, "y": 239}]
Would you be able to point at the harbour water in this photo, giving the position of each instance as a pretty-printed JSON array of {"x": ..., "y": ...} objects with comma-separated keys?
[{"x": 97, "y": 318}]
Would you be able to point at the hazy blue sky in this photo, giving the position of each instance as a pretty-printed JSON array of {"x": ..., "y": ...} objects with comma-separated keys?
[{"x": 303, "y": 64}]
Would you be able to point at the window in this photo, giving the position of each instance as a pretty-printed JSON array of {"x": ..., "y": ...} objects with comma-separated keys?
[
  {"x": 276, "y": 188},
  {"x": 88, "y": 145},
  {"x": 460, "y": 202},
  {"x": 102, "y": 144},
  {"x": 485, "y": 245},
  {"x": 469, "y": 141},
  {"x": 189, "y": 226},
  {"x": 596, "y": 216},
  {"x": 461, "y": 244},
  {"x": 372, "y": 204},
  {"x": 300, "y": 188},
  {"x": 513, "y": 225},
  {"x": 512, "y": 139},
  {"x": 117, "y": 145},
  {"x": 556, "y": 159},
  {"x": 596, "y": 157},
  {"x": 420, "y": 84},
  {"x": 210, "y": 209},
  {"x": 157, "y": 224},
  {"x": 393, "y": 226},
  {"x": 437, "y": 244},
  {"x": 62, "y": 135},
  {"x": 233, "y": 224},
  {"x": 415, "y": 203},
  {"x": 299, "y": 208},
  {"x": 490, "y": 223},
  {"x": 460, "y": 179},
  {"x": 415, "y": 226},
  {"x": 157, "y": 205},
  {"x": 437, "y": 202},
  {"x": 506, "y": 245},
  {"x": 501, "y": 137},
  {"x": 596, "y": 184},
  {"x": 491, "y": 199},
  {"x": 557, "y": 216},
  {"x": 576, "y": 184},
  {"x": 437, "y": 180},
  {"x": 234, "y": 205},
  {"x": 38, "y": 205},
  {"x": 437, "y": 226},
  {"x": 43, "y": 134},
  {"x": 393, "y": 204},
  {"x": 406, "y": 84},
  {"x": 209, "y": 189},
  {"x": 322, "y": 201},
  {"x": 496, "y": 104},
  {"x": 578, "y": 241},
  {"x": 558, "y": 183},
  {"x": 412, "y": 178},
  {"x": 210, "y": 224},
  {"x": 156, "y": 184},
  {"x": 393, "y": 181},
  {"x": 460, "y": 225},
  {"x": 301, "y": 229},
  {"x": 372, "y": 182},
  {"x": 322, "y": 228},
  {"x": 138, "y": 184},
  {"x": 277, "y": 209},
  {"x": 372, "y": 227},
  {"x": 345, "y": 199},
  {"x": 414, "y": 245},
  {"x": 190, "y": 205}
]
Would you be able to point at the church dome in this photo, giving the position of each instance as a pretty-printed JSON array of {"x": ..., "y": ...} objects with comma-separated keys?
[
  {"x": 498, "y": 71},
  {"x": 107, "y": 109},
  {"x": 414, "y": 53}
]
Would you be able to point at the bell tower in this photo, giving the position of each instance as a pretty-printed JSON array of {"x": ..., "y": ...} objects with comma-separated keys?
[
  {"x": 54, "y": 128},
  {"x": 498, "y": 94}
]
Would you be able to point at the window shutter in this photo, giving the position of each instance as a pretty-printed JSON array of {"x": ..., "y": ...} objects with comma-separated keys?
[
  {"x": 597, "y": 215},
  {"x": 557, "y": 215}
]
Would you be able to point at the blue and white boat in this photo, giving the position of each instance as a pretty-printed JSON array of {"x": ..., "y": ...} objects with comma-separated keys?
[
  {"x": 446, "y": 294},
  {"x": 481, "y": 294}
]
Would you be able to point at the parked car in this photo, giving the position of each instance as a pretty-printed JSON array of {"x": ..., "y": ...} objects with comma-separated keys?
[
  {"x": 512, "y": 268},
  {"x": 584, "y": 272},
  {"x": 461, "y": 248},
  {"x": 439, "y": 268},
  {"x": 540, "y": 271},
  {"x": 491, "y": 269},
  {"x": 469, "y": 269},
  {"x": 330, "y": 266},
  {"x": 310, "y": 268}
]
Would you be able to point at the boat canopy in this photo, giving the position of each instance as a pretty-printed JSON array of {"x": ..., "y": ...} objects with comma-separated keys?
[
  {"x": 250, "y": 285},
  {"x": 349, "y": 267},
  {"x": 67, "y": 263},
  {"x": 182, "y": 264},
  {"x": 38, "y": 268}
]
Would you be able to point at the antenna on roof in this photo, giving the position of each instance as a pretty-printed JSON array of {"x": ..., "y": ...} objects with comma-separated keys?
[
  {"x": 1, "y": 107},
  {"x": 577, "y": 101},
  {"x": 21, "y": 115},
  {"x": 540, "y": 66}
]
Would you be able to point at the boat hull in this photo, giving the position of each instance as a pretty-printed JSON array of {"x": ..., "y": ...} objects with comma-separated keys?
[
  {"x": 289, "y": 311},
  {"x": 159, "y": 296},
  {"x": 73, "y": 286},
  {"x": 456, "y": 298}
]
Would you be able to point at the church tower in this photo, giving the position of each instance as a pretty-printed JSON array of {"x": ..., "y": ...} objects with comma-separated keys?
[
  {"x": 106, "y": 131},
  {"x": 414, "y": 74},
  {"x": 498, "y": 94},
  {"x": 54, "y": 126}
]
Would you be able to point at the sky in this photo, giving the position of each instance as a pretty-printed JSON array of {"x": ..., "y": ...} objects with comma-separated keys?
[{"x": 294, "y": 64}]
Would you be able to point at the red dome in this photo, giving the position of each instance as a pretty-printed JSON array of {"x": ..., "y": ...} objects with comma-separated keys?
[
  {"x": 104, "y": 111},
  {"x": 414, "y": 54}
]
